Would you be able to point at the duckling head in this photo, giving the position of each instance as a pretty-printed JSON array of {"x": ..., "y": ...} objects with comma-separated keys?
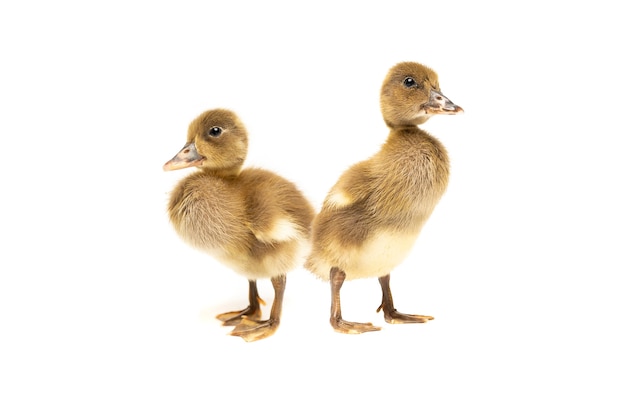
[
  {"x": 410, "y": 95},
  {"x": 216, "y": 141}
]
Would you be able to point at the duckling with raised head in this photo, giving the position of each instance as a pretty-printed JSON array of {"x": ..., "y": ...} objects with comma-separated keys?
[
  {"x": 372, "y": 216},
  {"x": 252, "y": 220}
]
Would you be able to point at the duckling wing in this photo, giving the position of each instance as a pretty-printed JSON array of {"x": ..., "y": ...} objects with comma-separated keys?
[
  {"x": 276, "y": 210},
  {"x": 352, "y": 188}
]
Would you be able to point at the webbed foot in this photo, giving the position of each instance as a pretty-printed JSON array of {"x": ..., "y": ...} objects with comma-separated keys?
[
  {"x": 348, "y": 327},
  {"x": 253, "y": 330},
  {"x": 392, "y": 315},
  {"x": 253, "y": 311},
  {"x": 233, "y": 318}
]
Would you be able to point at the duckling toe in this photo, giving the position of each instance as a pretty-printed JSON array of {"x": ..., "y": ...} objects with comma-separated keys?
[
  {"x": 234, "y": 318},
  {"x": 253, "y": 330},
  {"x": 395, "y": 317}
]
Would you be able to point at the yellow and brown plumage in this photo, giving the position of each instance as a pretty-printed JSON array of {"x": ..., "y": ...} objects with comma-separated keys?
[
  {"x": 252, "y": 220},
  {"x": 372, "y": 216}
]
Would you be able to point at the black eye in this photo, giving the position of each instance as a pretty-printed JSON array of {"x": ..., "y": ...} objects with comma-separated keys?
[
  {"x": 409, "y": 82},
  {"x": 215, "y": 131}
]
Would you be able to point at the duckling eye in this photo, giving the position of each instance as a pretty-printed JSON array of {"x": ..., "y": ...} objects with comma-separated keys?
[
  {"x": 215, "y": 131},
  {"x": 409, "y": 82}
]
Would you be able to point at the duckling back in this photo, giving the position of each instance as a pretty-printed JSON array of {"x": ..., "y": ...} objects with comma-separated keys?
[{"x": 279, "y": 218}]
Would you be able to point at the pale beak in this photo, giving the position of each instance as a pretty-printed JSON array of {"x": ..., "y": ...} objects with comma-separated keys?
[
  {"x": 187, "y": 157},
  {"x": 440, "y": 104}
]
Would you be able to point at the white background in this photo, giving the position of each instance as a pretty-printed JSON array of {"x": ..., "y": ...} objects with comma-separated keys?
[{"x": 105, "y": 311}]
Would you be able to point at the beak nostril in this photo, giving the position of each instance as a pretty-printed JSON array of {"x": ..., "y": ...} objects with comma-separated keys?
[{"x": 186, "y": 151}]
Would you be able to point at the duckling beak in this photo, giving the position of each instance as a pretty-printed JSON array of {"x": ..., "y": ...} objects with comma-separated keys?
[
  {"x": 440, "y": 104},
  {"x": 187, "y": 157}
]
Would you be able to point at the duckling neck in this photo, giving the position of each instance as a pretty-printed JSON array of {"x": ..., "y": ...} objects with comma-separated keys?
[
  {"x": 410, "y": 133},
  {"x": 223, "y": 172},
  {"x": 410, "y": 143},
  {"x": 405, "y": 124}
]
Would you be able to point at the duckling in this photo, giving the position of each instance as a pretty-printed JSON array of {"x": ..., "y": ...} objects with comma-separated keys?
[
  {"x": 252, "y": 220},
  {"x": 372, "y": 216}
]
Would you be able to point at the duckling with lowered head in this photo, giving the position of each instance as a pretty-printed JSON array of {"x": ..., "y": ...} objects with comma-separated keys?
[
  {"x": 372, "y": 216},
  {"x": 252, "y": 220}
]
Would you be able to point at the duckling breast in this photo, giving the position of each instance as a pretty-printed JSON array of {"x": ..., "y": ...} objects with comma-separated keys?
[
  {"x": 208, "y": 214},
  {"x": 414, "y": 166}
]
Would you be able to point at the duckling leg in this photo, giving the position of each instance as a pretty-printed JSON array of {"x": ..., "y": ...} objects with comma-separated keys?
[
  {"x": 253, "y": 311},
  {"x": 337, "y": 277},
  {"x": 253, "y": 329},
  {"x": 391, "y": 314}
]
